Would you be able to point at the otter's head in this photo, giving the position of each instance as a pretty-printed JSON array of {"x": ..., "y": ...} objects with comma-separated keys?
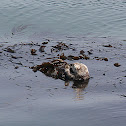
[
  {"x": 80, "y": 71},
  {"x": 68, "y": 71}
]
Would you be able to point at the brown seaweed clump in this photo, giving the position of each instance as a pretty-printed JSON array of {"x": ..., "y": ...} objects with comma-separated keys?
[
  {"x": 117, "y": 65},
  {"x": 41, "y": 49},
  {"x": 10, "y": 50},
  {"x": 60, "y": 69},
  {"x": 59, "y": 47},
  {"x": 107, "y": 45},
  {"x": 33, "y": 52},
  {"x": 63, "y": 57},
  {"x": 71, "y": 57},
  {"x": 53, "y": 69},
  {"x": 101, "y": 58}
]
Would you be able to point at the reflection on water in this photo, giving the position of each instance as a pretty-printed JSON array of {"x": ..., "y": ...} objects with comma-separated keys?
[
  {"x": 79, "y": 87},
  {"x": 79, "y": 94}
]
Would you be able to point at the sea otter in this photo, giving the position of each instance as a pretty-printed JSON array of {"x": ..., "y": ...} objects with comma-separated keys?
[{"x": 60, "y": 69}]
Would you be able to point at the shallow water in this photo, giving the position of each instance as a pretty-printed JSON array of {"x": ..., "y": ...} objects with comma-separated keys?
[{"x": 28, "y": 98}]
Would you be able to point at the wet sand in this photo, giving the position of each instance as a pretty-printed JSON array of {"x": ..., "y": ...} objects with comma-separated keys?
[{"x": 28, "y": 98}]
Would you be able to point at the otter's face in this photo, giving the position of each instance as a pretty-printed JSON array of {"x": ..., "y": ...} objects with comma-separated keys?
[
  {"x": 68, "y": 71},
  {"x": 72, "y": 69}
]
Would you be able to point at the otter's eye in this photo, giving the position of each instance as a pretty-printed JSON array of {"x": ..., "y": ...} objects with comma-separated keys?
[{"x": 71, "y": 70}]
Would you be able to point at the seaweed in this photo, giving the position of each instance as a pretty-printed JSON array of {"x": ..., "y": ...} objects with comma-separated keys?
[
  {"x": 41, "y": 49},
  {"x": 33, "y": 52},
  {"x": 59, "y": 47},
  {"x": 63, "y": 57},
  {"x": 101, "y": 58},
  {"x": 9, "y": 50},
  {"x": 107, "y": 45},
  {"x": 117, "y": 65}
]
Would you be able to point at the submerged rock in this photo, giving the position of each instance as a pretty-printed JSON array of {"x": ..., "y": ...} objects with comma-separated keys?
[{"x": 60, "y": 69}]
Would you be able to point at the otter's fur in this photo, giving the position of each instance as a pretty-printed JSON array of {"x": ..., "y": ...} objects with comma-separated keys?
[{"x": 62, "y": 70}]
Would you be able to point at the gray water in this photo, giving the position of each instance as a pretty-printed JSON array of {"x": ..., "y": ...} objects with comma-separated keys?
[
  {"x": 93, "y": 18},
  {"x": 32, "y": 99}
]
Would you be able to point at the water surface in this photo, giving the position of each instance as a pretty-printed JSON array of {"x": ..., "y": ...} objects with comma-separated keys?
[
  {"x": 66, "y": 17},
  {"x": 32, "y": 99}
]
